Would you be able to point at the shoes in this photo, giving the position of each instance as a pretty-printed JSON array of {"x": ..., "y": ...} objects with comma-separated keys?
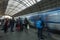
[
  {"x": 41, "y": 39},
  {"x": 12, "y": 31}
]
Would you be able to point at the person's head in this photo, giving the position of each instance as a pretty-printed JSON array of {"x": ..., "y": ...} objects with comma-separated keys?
[
  {"x": 25, "y": 18},
  {"x": 38, "y": 18},
  {"x": 6, "y": 19},
  {"x": 19, "y": 18},
  {"x": 12, "y": 17}
]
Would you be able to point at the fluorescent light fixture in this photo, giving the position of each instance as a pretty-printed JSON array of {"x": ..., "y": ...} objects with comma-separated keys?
[{"x": 38, "y": 0}]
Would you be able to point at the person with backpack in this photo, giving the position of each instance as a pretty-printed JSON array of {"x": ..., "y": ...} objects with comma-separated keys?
[
  {"x": 26, "y": 23},
  {"x": 39, "y": 25}
]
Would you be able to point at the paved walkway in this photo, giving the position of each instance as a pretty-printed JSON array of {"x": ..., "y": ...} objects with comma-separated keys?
[{"x": 31, "y": 35}]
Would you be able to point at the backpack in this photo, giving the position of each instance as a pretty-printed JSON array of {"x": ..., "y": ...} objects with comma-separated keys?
[{"x": 39, "y": 24}]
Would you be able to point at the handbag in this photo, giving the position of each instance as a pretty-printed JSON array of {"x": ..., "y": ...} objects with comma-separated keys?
[{"x": 28, "y": 27}]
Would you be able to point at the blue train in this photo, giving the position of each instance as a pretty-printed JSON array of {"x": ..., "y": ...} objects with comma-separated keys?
[{"x": 51, "y": 17}]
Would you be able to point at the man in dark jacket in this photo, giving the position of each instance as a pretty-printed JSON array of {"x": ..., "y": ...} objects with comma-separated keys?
[
  {"x": 26, "y": 24},
  {"x": 12, "y": 21}
]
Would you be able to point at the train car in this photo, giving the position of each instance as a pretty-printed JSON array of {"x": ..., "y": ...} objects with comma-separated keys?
[{"x": 51, "y": 17}]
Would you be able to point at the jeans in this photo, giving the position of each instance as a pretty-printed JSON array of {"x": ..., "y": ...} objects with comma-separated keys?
[
  {"x": 12, "y": 27},
  {"x": 40, "y": 36}
]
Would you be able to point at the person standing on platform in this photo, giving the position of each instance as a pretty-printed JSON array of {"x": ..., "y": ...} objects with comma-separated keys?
[
  {"x": 19, "y": 24},
  {"x": 39, "y": 25},
  {"x": 26, "y": 23},
  {"x": 2, "y": 24},
  {"x": 12, "y": 22},
  {"x": 6, "y": 25}
]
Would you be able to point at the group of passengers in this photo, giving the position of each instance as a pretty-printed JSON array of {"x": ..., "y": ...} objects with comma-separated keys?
[
  {"x": 11, "y": 24},
  {"x": 20, "y": 25}
]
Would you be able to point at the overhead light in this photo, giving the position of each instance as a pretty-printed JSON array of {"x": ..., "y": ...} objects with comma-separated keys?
[{"x": 38, "y": 0}]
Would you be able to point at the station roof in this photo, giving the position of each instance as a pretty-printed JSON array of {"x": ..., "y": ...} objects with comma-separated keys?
[
  {"x": 22, "y": 7},
  {"x": 15, "y": 6}
]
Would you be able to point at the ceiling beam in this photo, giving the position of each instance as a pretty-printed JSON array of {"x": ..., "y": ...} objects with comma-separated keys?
[{"x": 17, "y": 6}]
